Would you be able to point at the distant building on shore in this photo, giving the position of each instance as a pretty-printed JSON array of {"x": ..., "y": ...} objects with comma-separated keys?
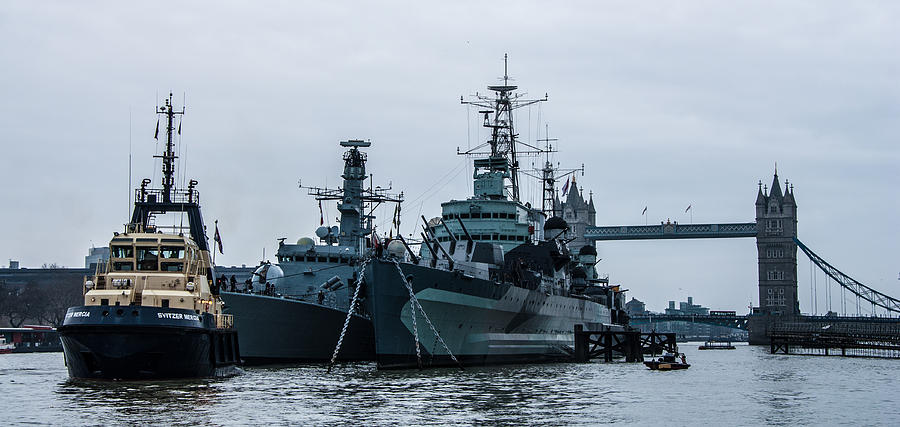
[
  {"x": 96, "y": 256},
  {"x": 635, "y": 307}
]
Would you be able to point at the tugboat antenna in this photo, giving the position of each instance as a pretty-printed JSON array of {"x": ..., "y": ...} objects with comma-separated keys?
[{"x": 168, "y": 158}]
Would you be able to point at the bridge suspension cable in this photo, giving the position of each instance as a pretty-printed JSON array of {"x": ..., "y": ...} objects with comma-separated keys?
[{"x": 861, "y": 291}]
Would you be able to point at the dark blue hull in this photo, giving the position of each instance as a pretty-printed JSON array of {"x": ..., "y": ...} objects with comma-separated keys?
[
  {"x": 275, "y": 330},
  {"x": 138, "y": 343},
  {"x": 482, "y": 322}
]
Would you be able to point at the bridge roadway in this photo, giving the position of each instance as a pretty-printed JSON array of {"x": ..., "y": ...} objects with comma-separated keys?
[
  {"x": 741, "y": 322},
  {"x": 671, "y": 230},
  {"x": 736, "y": 322}
]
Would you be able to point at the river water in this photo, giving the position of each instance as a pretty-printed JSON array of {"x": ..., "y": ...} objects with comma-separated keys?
[{"x": 746, "y": 386}]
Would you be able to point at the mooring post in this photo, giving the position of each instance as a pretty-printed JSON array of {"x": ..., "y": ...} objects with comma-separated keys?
[
  {"x": 608, "y": 336},
  {"x": 580, "y": 344}
]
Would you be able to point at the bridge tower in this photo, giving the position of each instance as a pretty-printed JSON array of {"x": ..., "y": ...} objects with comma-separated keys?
[{"x": 776, "y": 225}]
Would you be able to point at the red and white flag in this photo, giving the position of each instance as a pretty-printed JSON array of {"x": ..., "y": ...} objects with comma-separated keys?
[{"x": 565, "y": 188}]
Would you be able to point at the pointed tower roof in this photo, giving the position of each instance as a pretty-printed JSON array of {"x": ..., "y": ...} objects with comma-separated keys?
[
  {"x": 574, "y": 197},
  {"x": 776, "y": 187},
  {"x": 591, "y": 204},
  {"x": 789, "y": 194},
  {"x": 760, "y": 197}
]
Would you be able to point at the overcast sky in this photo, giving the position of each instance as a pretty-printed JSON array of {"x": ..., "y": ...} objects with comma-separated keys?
[{"x": 667, "y": 104}]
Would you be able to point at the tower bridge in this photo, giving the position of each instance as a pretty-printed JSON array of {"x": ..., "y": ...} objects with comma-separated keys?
[{"x": 775, "y": 230}]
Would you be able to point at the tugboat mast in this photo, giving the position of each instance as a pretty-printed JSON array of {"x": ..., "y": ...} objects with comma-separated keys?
[
  {"x": 503, "y": 157},
  {"x": 168, "y": 158}
]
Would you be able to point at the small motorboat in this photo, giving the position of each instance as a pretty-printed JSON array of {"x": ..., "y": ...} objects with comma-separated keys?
[
  {"x": 668, "y": 362},
  {"x": 6, "y": 347},
  {"x": 716, "y": 345}
]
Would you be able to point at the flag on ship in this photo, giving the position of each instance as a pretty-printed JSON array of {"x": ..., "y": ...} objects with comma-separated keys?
[
  {"x": 644, "y": 211},
  {"x": 218, "y": 238},
  {"x": 688, "y": 208},
  {"x": 156, "y": 134},
  {"x": 321, "y": 215},
  {"x": 565, "y": 188}
]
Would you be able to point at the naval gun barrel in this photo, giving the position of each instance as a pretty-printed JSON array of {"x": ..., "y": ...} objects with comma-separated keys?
[
  {"x": 439, "y": 247},
  {"x": 412, "y": 256},
  {"x": 470, "y": 242},
  {"x": 452, "y": 237}
]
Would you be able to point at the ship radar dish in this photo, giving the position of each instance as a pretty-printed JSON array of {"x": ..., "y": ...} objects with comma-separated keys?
[
  {"x": 356, "y": 143},
  {"x": 321, "y": 232}
]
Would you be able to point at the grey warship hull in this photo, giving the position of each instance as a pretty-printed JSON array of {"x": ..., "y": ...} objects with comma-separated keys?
[
  {"x": 276, "y": 329},
  {"x": 481, "y": 321}
]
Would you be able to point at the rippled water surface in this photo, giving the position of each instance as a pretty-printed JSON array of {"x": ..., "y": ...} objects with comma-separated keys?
[{"x": 746, "y": 386}]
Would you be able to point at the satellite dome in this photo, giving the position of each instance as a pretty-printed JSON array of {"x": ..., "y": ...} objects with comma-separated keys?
[
  {"x": 305, "y": 241},
  {"x": 396, "y": 249},
  {"x": 268, "y": 273},
  {"x": 556, "y": 223},
  {"x": 588, "y": 250}
]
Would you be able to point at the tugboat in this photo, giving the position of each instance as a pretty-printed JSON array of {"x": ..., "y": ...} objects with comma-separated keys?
[
  {"x": 153, "y": 310},
  {"x": 668, "y": 362},
  {"x": 294, "y": 310},
  {"x": 494, "y": 281}
]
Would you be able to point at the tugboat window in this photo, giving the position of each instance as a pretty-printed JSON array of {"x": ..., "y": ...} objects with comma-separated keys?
[
  {"x": 173, "y": 266},
  {"x": 172, "y": 252},
  {"x": 147, "y": 259},
  {"x": 123, "y": 266},
  {"x": 122, "y": 251}
]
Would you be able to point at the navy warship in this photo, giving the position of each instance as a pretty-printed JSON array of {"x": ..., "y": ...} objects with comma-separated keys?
[
  {"x": 294, "y": 310},
  {"x": 494, "y": 281},
  {"x": 153, "y": 311}
]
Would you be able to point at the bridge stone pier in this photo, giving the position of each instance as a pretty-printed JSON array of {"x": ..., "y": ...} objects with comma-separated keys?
[{"x": 775, "y": 230}]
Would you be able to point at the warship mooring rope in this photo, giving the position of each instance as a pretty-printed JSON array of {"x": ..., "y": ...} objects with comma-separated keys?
[
  {"x": 415, "y": 301},
  {"x": 353, "y": 302}
]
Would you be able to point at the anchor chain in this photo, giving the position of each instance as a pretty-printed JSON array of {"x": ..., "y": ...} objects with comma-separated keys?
[
  {"x": 415, "y": 301},
  {"x": 412, "y": 310},
  {"x": 353, "y": 302}
]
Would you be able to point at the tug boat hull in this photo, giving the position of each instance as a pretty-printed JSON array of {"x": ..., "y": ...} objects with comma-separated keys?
[{"x": 139, "y": 343}]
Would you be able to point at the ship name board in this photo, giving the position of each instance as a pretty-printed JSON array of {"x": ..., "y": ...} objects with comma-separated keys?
[
  {"x": 178, "y": 316},
  {"x": 79, "y": 314}
]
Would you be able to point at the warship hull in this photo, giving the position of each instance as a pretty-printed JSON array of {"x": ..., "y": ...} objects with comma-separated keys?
[
  {"x": 481, "y": 321},
  {"x": 137, "y": 343},
  {"x": 277, "y": 330}
]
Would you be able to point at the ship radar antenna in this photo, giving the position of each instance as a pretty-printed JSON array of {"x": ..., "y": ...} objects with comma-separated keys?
[
  {"x": 550, "y": 175},
  {"x": 502, "y": 160}
]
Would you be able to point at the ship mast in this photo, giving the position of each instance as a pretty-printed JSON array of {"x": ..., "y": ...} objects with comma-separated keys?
[
  {"x": 149, "y": 202},
  {"x": 168, "y": 158},
  {"x": 353, "y": 197},
  {"x": 503, "y": 157},
  {"x": 550, "y": 175}
]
